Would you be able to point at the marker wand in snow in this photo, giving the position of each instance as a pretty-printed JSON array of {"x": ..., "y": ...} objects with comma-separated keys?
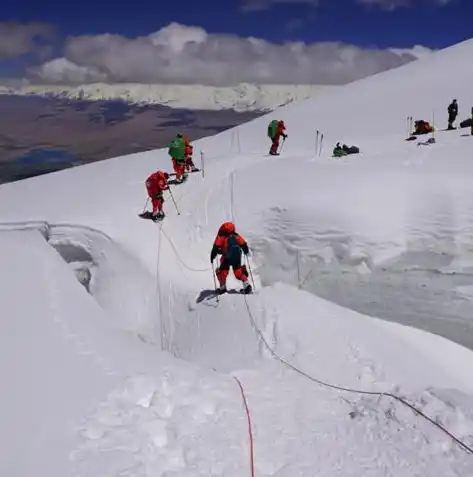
[{"x": 175, "y": 205}]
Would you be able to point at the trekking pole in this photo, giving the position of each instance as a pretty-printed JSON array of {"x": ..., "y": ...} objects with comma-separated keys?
[
  {"x": 251, "y": 273},
  {"x": 146, "y": 205},
  {"x": 175, "y": 205},
  {"x": 215, "y": 281},
  {"x": 433, "y": 123},
  {"x": 471, "y": 130},
  {"x": 282, "y": 145}
]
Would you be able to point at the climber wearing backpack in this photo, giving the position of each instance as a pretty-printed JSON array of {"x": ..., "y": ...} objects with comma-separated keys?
[
  {"x": 276, "y": 129},
  {"x": 156, "y": 183},
  {"x": 177, "y": 150},
  {"x": 188, "y": 151},
  {"x": 230, "y": 244}
]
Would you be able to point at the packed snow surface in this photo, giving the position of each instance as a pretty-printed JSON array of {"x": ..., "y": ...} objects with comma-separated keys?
[{"x": 117, "y": 361}]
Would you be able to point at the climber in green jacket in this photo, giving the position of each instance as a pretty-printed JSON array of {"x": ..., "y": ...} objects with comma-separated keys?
[{"x": 177, "y": 152}]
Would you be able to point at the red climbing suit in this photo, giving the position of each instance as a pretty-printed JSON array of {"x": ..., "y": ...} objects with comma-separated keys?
[
  {"x": 280, "y": 131},
  {"x": 225, "y": 237},
  {"x": 188, "y": 151},
  {"x": 156, "y": 183}
]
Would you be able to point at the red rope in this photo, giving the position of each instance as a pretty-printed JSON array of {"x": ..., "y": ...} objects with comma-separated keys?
[{"x": 250, "y": 432}]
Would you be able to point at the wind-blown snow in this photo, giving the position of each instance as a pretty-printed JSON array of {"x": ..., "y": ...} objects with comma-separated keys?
[{"x": 97, "y": 388}]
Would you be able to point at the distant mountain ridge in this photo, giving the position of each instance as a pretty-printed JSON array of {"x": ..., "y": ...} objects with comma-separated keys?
[{"x": 242, "y": 97}]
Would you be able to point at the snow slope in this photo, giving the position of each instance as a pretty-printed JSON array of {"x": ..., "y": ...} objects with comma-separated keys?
[
  {"x": 243, "y": 97},
  {"x": 107, "y": 384}
]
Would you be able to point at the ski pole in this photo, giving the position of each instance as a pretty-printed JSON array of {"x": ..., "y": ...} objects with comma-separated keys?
[
  {"x": 215, "y": 281},
  {"x": 433, "y": 123},
  {"x": 251, "y": 273},
  {"x": 282, "y": 145},
  {"x": 146, "y": 205},
  {"x": 202, "y": 162},
  {"x": 175, "y": 205}
]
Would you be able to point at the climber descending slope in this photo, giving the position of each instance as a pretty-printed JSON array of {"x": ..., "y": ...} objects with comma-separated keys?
[
  {"x": 230, "y": 244},
  {"x": 156, "y": 183}
]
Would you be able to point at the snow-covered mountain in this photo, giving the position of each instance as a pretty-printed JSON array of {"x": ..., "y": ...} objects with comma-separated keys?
[
  {"x": 118, "y": 360},
  {"x": 244, "y": 97}
]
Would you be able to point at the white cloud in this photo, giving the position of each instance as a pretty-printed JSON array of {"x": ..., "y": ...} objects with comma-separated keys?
[
  {"x": 61, "y": 70},
  {"x": 257, "y": 5},
  {"x": 16, "y": 39},
  {"x": 394, "y": 4},
  {"x": 180, "y": 54}
]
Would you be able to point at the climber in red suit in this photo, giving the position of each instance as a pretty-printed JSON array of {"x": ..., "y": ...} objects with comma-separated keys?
[
  {"x": 230, "y": 244},
  {"x": 280, "y": 131},
  {"x": 156, "y": 183}
]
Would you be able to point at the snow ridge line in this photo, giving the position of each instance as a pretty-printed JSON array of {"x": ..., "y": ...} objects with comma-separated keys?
[
  {"x": 250, "y": 432},
  {"x": 462, "y": 444}
]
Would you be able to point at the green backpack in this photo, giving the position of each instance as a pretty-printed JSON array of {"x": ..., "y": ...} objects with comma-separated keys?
[
  {"x": 176, "y": 149},
  {"x": 272, "y": 128}
]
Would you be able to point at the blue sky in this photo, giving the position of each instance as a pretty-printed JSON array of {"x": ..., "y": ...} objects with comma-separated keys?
[
  {"x": 341, "y": 20},
  {"x": 424, "y": 22}
]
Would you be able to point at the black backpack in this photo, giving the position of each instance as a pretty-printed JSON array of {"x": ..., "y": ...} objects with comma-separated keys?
[{"x": 233, "y": 253}]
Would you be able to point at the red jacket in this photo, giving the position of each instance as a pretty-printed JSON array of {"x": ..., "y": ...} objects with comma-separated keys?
[
  {"x": 220, "y": 245},
  {"x": 156, "y": 183},
  {"x": 280, "y": 131},
  {"x": 188, "y": 149}
]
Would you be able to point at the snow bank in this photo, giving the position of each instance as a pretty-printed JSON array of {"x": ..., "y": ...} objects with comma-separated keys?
[{"x": 119, "y": 283}]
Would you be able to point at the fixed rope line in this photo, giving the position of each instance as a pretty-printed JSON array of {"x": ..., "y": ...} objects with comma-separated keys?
[
  {"x": 462, "y": 444},
  {"x": 250, "y": 432},
  {"x": 417, "y": 411},
  {"x": 163, "y": 333},
  {"x": 232, "y": 192},
  {"x": 179, "y": 257}
]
